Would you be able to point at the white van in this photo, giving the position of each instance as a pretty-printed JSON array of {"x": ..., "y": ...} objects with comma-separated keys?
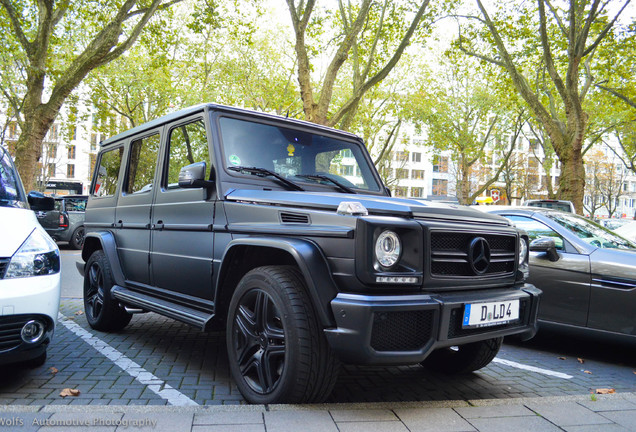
[{"x": 29, "y": 272}]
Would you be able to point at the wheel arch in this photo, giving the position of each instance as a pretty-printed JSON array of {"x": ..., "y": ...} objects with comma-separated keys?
[
  {"x": 245, "y": 254},
  {"x": 105, "y": 241}
]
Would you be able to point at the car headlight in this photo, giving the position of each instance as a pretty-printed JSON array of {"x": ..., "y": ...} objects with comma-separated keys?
[
  {"x": 38, "y": 256},
  {"x": 523, "y": 250},
  {"x": 388, "y": 248}
]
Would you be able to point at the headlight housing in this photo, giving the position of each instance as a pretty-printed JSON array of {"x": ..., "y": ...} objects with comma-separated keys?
[
  {"x": 38, "y": 256},
  {"x": 388, "y": 249}
]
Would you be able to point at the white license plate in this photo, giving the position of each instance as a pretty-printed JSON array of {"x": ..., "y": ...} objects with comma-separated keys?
[{"x": 490, "y": 314}]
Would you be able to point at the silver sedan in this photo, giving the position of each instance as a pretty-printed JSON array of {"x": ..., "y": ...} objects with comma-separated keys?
[{"x": 586, "y": 272}]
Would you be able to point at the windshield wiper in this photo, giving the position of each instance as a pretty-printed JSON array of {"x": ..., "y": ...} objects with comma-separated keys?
[
  {"x": 264, "y": 172},
  {"x": 330, "y": 180}
]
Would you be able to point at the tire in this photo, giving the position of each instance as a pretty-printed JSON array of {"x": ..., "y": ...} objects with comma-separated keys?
[
  {"x": 276, "y": 348},
  {"x": 36, "y": 362},
  {"x": 102, "y": 311},
  {"x": 465, "y": 358},
  {"x": 77, "y": 239}
]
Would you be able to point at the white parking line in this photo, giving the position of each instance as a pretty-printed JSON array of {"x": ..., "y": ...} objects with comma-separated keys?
[
  {"x": 153, "y": 383},
  {"x": 532, "y": 368}
]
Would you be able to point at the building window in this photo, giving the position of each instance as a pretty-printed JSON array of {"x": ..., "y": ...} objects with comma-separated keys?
[
  {"x": 416, "y": 157},
  {"x": 94, "y": 140},
  {"x": 53, "y": 133},
  {"x": 417, "y": 174},
  {"x": 402, "y": 156},
  {"x": 401, "y": 173},
  {"x": 91, "y": 163},
  {"x": 400, "y": 192},
  {"x": 346, "y": 170},
  {"x": 50, "y": 170},
  {"x": 440, "y": 187},
  {"x": 71, "y": 152},
  {"x": 52, "y": 151},
  {"x": 440, "y": 164},
  {"x": 13, "y": 130},
  {"x": 417, "y": 192},
  {"x": 70, "y": 170}
]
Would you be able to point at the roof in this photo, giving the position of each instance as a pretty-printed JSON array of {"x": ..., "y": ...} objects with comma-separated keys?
[{"x": 201, "y": 107}]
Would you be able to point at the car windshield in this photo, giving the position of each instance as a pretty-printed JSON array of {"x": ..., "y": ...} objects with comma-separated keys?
[
  {"x": 10, "y": 192},
  {"x": 591, "y": 232},
  {"x": 298, "y": 156}
]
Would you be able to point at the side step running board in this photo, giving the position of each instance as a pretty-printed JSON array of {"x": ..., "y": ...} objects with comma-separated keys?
[{"x": 193, "y": 317}]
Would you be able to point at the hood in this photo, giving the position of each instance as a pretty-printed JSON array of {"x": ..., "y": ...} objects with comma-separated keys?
[
  {"x": 16, "y": 226},
  {"x": 376, "y": 205}
]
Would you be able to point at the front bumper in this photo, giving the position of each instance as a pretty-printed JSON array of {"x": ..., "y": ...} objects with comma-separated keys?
[
  {"x": 23, "y": 300},
  {"x": 400, "y": 330}
]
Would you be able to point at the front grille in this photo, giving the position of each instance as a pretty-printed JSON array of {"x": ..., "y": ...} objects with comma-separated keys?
[
  {"x": 10, "y": 327},
  {"x": 450, "y": 254},
  {"x": 402, "y": 331},
  {"x": 4, "y": 263},
  {"x": 455, "y": 329}
]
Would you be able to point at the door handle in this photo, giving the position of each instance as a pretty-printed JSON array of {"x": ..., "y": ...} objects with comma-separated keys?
[{"x": 158, "y": 226}]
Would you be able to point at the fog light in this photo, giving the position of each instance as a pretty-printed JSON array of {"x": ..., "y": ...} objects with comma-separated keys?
[
  {"x": 32, "y": 331},
  {"x": 396, "y": 279}
]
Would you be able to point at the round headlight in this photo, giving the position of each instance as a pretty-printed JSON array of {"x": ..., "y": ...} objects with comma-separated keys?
[
  {"x": 523, "y": 250},
  {"x": 388, "y": 248}
]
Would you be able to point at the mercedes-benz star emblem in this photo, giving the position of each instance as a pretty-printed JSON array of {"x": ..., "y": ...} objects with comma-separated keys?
[{"x": 479, "y": 255}]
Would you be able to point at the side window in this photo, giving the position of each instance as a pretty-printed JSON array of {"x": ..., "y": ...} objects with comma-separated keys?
[
  {"x": 108, "y": 173},
  {"x": 141, "y": 169},
  {"x": 188, "y": 145},
  {"x": 536, "y": 229},
  {"x": 75, "y": 205}
]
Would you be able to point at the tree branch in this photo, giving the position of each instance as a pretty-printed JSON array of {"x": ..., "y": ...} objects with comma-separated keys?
[
  {"x": 17, "y": 28},
  {"x": 605, "y": 30}
]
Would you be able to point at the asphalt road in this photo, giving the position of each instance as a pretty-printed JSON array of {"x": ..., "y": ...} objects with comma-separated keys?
[{"x": 158, "y": 361}]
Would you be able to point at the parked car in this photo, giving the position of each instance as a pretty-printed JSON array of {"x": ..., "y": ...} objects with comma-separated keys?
[
  {"x": 283, "y": 231},
  {"x": 29, "y": 272},
  {"x": 614, "y": 223},
  {"x": 587, "y": 273},
  {"x": 561, "y": 205},
  {"x": 627, "y": 230},
  {"x": 66, "y": 221}
]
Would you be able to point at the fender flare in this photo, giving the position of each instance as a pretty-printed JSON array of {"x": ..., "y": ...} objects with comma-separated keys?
[
  {"x": 104, "y": 240},
  {"x": 311, "y": 262}
]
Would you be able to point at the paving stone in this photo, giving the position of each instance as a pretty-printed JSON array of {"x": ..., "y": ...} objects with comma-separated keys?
[
  {"x": 610, "y": 404},
  {"x": 228, "y": 418},
  {"x": 157, "y": 422},
  {"x": 383, "y": 426},
  {"x": 516, "y": 424},
  {"x": 230, "y": 428},
  {"x": 594, "y": 428},
  {"x": 433, "y": 419},
  {"x": 626, "y": 419},
  {"x": 494, "y": 411},
  {"x": 567, "y": 414},
  {"x": 306, "y": 421},
  {"x": 363, "y": 415},
  {"x": 22, "y": 421}
]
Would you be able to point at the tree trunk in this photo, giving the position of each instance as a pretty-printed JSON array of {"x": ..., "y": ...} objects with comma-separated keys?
[{"x": 29, "y": 146}]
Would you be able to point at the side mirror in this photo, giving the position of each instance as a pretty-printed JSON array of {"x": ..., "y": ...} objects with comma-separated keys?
[
  {"x": 546, "y": 245},
  {"x": 40, "y": 202},
  {"x": 193, "y": 176}
]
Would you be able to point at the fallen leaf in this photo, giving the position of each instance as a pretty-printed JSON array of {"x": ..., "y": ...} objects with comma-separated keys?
[
  {"x": 79, "y": 312},
  {"x": 587, "y": 372},
  {"x": 580, "y": 360},
  {"x": 605, "y": 391},
  {"x": 69, "y": 392},
  {"x": 53, "y": 370},
  {"x": 563, "y": 358}
]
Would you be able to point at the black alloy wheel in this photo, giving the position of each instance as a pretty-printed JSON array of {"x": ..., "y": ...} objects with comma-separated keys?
[
  {"x": 77, "y": 240},
  {"x": 277, "y": 350},
  {"x": 103, "y": 312},
  {"x": 259, "y": 341}
]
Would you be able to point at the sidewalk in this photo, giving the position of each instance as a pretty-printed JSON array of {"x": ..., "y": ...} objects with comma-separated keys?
[{"x": 615, "y": 412}]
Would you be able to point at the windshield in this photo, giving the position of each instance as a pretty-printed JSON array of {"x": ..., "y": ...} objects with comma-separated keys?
[
  {"x": 10, "y": 187},
  {"x": 591, "y": 232},
  {"x": 298, "y": 156}
]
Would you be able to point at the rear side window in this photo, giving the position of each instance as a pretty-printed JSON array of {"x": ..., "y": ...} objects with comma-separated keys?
[
  {"x": 141, "y": 169},
  {"x": 188, "y": 145},
  {"x": 73, "y": 204},
  {"x": 108, "y": 173}
]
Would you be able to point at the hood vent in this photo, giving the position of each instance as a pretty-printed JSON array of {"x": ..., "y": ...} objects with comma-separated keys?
[{"x": 295, "y": 218}]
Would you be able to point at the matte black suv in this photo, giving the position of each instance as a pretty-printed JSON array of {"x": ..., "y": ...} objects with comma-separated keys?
[
  {"x": 66, "y": 221},
  {"x": 283, "y": 231}
]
